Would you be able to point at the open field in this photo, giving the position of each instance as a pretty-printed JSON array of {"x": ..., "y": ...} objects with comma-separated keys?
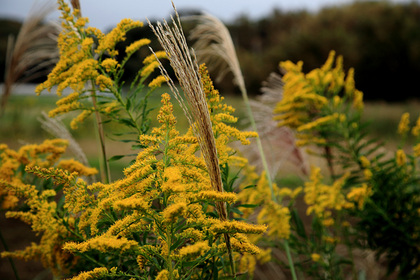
[{"x": 20, "y": 123}]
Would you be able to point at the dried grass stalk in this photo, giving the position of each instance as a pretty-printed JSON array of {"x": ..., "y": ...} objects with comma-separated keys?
[
  {"x": 33, "y": 52},
  {"x": 214, "y": 44},
  {"x": 186, "y": 69},
  {"x": 185, "y": 66}
]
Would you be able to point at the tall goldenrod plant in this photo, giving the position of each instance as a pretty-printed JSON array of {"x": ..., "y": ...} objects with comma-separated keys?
[
  {"x": 171, "y": 215},
  {"x": 370, "y": 195}
]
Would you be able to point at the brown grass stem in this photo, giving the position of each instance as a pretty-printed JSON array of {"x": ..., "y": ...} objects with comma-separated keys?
[
  {"x": 105, "y": 172},
  {"x": 214, "y": 43},
  {"x": 184, "y": 63}
]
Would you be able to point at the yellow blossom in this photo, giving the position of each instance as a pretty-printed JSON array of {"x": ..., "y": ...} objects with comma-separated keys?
[
  {"x": 403, "y": 126},
  {"x": 359, "y": 195},
  {"x": 400, "y": 157},
  {"x": 367, "y": 173},
  {"x": 217, "y": 196},
  {"x": 136, "y": 45},
  {"x": 99, "y": 272},
  {"x": 109, "y": 64},
  {"x": 72, "y": 165},
  {"x": 74, "y": 124},
  {"x": 358, "y": 100},
  {"x": 163, "y": 275},
  {"x": 416, "y": 150},
  {"x": 104, "y": 82},
  {"x": 277, "y": 218},
  {"x": 236, "y": 227},
  {"x": 149, "y": 68},
  {"x": 416, "y": 129},
  {"x": 108, "y": 42},
  {"x": 364, "y": 162},
  {"x": 151, "y": 58},
  {"x": 172, "y": 212},
  {"x": 198, "y": 248},
  {"x": 157, "y": 82},
  {"x": 315, "y": 257}
]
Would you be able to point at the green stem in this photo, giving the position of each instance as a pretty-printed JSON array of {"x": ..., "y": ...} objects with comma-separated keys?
[
  {"x": 267, "y": 171},
  {"x": 290, "y": 260},
  {"x": 229, "y": 248},
  {"x": 106, "y": 174},
  {"x": 168, "y": 258},
  {"x": 12, "y": 263},
  {"x": 259, "y": 144}
]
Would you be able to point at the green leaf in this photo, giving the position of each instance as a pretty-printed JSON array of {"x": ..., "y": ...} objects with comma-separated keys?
[
  {"x": 248, "y": 205},
  {"x": 117, "y": 157},
  {"x": 300, "y": 229},
  {"x": 250, "y": 186},
  {"x": 127, "y": 122}
]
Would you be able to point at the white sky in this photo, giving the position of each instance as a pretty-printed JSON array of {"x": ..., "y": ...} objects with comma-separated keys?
[{"x": 104, "y": 14}]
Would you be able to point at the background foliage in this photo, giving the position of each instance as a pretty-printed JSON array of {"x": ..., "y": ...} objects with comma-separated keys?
[{"x": 379, "y": 39}]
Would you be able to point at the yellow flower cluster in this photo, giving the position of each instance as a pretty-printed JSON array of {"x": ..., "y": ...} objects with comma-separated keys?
[
  {"x": 87, "y": 63},
  {"x": 12, "y": 162},
  {"x": 164, "y": 194},
  {"x": 323, "y": 199},
  {"x": 359, "y": 195},
  {"x": 109, "y": 41},
  {"x": 221, "y": 116},
  {"x": 16, "y": 185},
  {"x": 312, "y": 102},
  {"x": 403, "y": 126}
]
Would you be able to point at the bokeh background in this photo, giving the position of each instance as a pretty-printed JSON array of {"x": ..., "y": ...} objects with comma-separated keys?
[{"x": 380, "y": 39}]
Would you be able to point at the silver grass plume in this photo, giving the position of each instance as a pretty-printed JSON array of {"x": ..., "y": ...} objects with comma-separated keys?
[
  {"x": 279, "y": 140},
  {"x": 186, "y": 69},
  {"x": 214, "y": 43},
  {"x": 33, "y": 52}
]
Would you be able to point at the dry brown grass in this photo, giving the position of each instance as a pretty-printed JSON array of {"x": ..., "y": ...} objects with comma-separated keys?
[{"x": 34, "y": 50}]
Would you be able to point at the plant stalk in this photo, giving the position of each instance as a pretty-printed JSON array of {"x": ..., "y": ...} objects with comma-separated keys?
[
  {"x": 12, "y": 263},
  {"x": 106, "y": 173},
  {"x": 267, "y": 171}
]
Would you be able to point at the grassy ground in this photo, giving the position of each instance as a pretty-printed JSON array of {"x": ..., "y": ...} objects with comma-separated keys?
[{"x": 19, "y": 125}]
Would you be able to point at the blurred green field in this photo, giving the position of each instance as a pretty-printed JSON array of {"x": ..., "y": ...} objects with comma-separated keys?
[{"x": 20, "y": 125}]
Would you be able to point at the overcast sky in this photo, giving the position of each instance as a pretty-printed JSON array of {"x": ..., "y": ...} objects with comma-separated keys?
[{"x": 105, "y": 13}]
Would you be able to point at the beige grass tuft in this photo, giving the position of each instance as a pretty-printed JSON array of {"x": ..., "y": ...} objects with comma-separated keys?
[
  {"x": 33, "y": 52},
  {"x": 284, "y": 156},
  {"x": 214, "y": 44}
]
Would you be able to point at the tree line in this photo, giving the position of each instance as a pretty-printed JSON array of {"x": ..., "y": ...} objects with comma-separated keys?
[{"x": 381, "y": 40}]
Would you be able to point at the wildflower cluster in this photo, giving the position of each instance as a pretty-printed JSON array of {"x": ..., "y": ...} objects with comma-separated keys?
[
  {"x": 34, "y": 201},
  {"x": 89, "y": 65},
  {"x": 314, "y": 104},
  {"x": 324, "y": 109},
  {"x": 157, "y": 221}
]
